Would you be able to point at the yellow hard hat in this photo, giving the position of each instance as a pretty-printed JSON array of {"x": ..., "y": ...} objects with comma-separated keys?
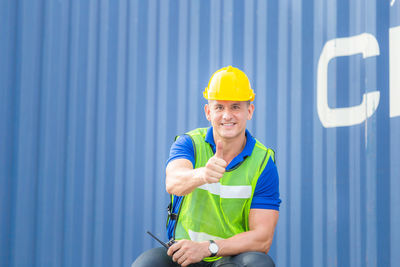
[{"x": 229, "y": 83}]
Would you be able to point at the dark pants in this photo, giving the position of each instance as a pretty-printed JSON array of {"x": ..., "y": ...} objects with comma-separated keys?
[{"x": 159, "y": 257}]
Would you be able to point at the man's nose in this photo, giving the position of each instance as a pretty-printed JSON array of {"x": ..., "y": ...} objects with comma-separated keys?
[{"x": 226, "y": 115}]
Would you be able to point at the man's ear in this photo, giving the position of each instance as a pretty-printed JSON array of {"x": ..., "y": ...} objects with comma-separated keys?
[
  {"x": 207, "y": 111},
  {"x": 250, "y": 110}
]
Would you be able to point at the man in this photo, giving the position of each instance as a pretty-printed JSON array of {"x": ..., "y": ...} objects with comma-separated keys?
[{"x": 224, "y": 183}]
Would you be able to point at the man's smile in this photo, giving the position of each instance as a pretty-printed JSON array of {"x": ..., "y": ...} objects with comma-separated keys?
[{"x": 228, "y": 124}]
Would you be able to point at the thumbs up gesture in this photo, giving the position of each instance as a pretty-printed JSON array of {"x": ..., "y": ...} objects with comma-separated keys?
[{"x": 215, "y": 167}]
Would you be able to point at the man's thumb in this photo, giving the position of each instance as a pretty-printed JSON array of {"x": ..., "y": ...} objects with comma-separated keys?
[{"x": 219, "y": 152}]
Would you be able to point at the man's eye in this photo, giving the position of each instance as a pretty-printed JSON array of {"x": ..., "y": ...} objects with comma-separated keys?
[{"x": 236, "y": 107}]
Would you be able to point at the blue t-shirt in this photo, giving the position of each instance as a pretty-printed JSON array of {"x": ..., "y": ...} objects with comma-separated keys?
[{"x": 266, "y": 193}]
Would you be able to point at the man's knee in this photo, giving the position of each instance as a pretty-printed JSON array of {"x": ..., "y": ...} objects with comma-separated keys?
[
  {"x": 154, "y": 257},
  {"x": 254, "y": 259}
]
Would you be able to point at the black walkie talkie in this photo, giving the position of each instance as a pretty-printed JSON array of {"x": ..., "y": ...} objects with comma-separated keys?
[{"x": 166, "y": 245}]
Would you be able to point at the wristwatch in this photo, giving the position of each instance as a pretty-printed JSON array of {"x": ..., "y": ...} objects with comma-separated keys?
[{"x": 213, "y": 248}]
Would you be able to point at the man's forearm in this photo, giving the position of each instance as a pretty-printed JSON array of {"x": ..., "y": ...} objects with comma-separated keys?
[
  {"x": 262, "y": 224},
  {"x": 196, "y": 251},
  {"x": 243, "y": 242},
  {"x": 181, "y": 178},
  {"x": 183, "y": 181}
]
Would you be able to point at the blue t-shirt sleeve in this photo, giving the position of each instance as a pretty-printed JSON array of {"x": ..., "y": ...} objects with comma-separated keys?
[
  {"x": 266, "y": 193},
  {"x": 182, "y": 148}
]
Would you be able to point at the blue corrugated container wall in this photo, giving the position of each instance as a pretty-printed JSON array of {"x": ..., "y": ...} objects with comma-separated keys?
[{"x": 92, "y": 94}]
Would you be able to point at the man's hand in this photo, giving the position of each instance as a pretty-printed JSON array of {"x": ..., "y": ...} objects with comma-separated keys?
[
  {"x": 215, "y": 167},
  {"x": 181, "y": 178},
  {"x": 186, "y": 252}
]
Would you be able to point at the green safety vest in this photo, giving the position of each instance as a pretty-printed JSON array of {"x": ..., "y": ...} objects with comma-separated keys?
[{"x": 220, "y": 210}]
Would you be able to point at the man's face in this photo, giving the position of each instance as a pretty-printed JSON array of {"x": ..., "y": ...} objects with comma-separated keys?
[{"x": 228, "y": 118}]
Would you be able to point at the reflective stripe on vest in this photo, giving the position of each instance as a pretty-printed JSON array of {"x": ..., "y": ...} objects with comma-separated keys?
[{"x": 228, "y": 191}]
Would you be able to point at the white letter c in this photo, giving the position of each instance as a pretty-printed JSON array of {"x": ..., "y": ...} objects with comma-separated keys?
[{"x": 367, "y": 45}]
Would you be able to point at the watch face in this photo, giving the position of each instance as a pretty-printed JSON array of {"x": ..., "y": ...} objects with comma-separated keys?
[{"x": 213, "y": 248}]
